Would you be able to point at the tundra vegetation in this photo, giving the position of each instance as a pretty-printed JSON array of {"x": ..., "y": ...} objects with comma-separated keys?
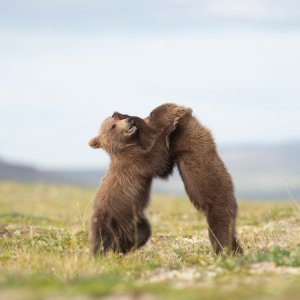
[{"x": 44, "y": 251}]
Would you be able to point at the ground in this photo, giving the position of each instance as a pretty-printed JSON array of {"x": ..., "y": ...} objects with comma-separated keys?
[{"x": 44, "y": 251}]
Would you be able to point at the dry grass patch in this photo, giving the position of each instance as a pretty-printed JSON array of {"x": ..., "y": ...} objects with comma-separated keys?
[{"x": 44, "y": 251}]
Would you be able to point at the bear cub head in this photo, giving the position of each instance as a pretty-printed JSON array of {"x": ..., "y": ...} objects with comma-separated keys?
[{"x": 115, "y": 135}]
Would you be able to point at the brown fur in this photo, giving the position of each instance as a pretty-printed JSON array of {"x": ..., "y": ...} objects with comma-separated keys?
[
  {"x": 205, "y": 177},
  {"x": 138, "y": 152}
]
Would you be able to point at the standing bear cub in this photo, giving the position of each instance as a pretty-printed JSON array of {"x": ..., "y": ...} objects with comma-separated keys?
[
  {"x": 138, "y": 153},
  {"x": 205, "y": 177}
]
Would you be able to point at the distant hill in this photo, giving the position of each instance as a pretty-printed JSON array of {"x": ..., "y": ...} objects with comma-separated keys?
[
  {"x": 28, "y": 174},
  {"x": 264, "y": 171},
  {"x": 259, "y": 172}
]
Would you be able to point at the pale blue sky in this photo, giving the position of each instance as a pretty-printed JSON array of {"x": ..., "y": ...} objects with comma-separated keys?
[{"x": 66, "y": 65}]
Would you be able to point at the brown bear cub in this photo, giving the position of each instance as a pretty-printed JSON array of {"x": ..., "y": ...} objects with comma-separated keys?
[
  {"x": 138, "y": 153},
  {"x": 206, "y": 179}
]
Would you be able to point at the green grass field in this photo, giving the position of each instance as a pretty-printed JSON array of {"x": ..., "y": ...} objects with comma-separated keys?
[{"x": 44, "y": 251}]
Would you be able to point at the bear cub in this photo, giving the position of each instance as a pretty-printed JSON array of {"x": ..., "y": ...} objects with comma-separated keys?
[
  {"x": 205, "y": 177},
  {"x": 138, "y": 153}
]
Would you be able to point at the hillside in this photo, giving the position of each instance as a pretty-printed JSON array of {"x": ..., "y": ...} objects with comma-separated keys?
[
  {"x": 28, "y": 174},
  {"x": 265, "y": 171},
  {"x": 262, "y": 172}
]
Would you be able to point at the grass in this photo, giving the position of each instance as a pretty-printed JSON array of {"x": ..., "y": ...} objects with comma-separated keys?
[{"x": 44, "y": 251}]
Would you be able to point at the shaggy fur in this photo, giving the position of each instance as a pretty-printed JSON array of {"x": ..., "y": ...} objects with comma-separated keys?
[
  {"x": 206, "y": 179},
  {"x": 138, "y": 152}
]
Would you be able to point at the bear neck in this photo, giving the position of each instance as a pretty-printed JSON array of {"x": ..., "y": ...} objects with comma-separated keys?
[{"x": 132, "y": 166}]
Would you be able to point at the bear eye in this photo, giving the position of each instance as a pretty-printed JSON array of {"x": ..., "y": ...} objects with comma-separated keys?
[{"x": 113, "y": 126}]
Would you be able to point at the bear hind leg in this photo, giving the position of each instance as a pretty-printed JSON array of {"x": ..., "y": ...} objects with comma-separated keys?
[
  {"x": 222, "y": 232},
  {"x": 143, "y": 232},
  {"x": 138, "y": 237},
  {"x": 101, "y": 237}
]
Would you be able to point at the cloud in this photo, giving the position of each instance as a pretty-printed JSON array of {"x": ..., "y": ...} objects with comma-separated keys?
[
  {"x": 147, "y": 16},
  {"x": 253, "y": 9},
  {"x": 56, "y": 88},
  {"x": 66, "y": 65}
]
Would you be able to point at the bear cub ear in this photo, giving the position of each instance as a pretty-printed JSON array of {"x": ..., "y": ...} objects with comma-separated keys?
[{"x": 95, "y": 142}]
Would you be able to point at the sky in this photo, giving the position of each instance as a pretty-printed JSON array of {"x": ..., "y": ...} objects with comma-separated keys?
[{"x": 67, "y": 65}]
